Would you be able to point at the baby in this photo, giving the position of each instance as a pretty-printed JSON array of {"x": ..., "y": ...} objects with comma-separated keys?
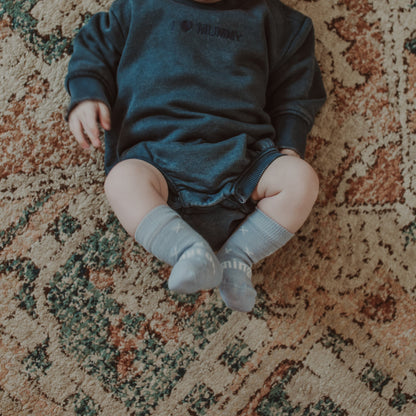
[{"x": 206, "y": 105}]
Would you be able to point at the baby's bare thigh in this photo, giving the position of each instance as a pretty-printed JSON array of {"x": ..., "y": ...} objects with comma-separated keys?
[
  {"x": 133, "y": 188},
  {"x": 131, "y": 173},
  {"x": 285, "y": 173}
]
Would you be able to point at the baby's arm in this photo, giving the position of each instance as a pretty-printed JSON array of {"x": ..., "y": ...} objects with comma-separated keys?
[
  {"x": 84, "y": 121},
  {"x": 295, "y": 91},
  {"x": 91, "y": 80}
]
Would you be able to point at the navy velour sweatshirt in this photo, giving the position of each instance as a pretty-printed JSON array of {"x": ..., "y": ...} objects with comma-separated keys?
[{"x": 199, "y": 90}]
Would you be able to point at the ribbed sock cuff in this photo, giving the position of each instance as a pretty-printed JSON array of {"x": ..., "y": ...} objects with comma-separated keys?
[
  {"x": 276, "y": 235},
  {"x": 152, "y": 223}
]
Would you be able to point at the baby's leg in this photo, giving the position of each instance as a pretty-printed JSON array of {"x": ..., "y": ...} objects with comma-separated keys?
[
  {"x": 286, "y": 194},
  {"x": 138, "y": 193},
  {"x": 287, "y": 191},
  {"x": 134, "y": 188}
]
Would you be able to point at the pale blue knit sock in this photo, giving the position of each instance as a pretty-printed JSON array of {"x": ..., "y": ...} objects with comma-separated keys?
[
  {"x": 168, "y": 237},
  {"x": 256, "y": 238}
]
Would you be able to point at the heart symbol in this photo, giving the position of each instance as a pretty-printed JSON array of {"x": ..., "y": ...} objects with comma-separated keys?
[{"x": 186, "y": 25}]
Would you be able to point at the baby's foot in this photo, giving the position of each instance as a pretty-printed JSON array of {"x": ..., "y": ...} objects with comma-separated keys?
[
  {"x": 168, "y": 237},
  {"x": 236, "y": 288},
  {"x": 196, "y": 269}
]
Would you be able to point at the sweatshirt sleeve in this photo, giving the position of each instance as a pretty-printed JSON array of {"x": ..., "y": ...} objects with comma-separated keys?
[
  {"x": 295, "y": 92},
  {"x": 93, "y": 64}
]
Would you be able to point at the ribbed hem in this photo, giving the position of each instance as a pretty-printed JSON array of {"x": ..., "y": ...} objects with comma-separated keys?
[
  {"x": 152, "y": 224},
  {"x": 250, "y": 179},
  {"x": 85, "y": 88},
  {"x": 291, "y": 133},
  {"x": 276, "y": 235}
]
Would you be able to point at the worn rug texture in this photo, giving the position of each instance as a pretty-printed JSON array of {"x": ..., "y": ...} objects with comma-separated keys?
[{"x": 87, "y": 324}]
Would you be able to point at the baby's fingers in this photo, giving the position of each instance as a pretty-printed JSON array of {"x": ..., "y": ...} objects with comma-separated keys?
[
  {"x": 78, "y": 132},
  {"x": 104, "y": 116},
  {"x": 84, "y": 121},
  {"x": 89, "y": 123}
]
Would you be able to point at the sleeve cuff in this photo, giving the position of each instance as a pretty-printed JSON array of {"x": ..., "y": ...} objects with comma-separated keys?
[
  {"x": 85, "y": 88},
  {"x": 291, "y": 133}
]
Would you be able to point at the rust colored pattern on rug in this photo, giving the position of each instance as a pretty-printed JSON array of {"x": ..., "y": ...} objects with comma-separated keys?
[{"x": 87, "y": 324}]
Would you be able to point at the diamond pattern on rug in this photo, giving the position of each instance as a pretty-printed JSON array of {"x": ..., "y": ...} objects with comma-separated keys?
[{"x": 87, "y": 324}]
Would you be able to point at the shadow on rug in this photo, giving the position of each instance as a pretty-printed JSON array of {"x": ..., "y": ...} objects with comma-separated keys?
[{"x": 88, "y": 326}]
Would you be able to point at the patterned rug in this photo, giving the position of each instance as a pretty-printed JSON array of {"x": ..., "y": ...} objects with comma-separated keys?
[{"x": 87, "y": 325}]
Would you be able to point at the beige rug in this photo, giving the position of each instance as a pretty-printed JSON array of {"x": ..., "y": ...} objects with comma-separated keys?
[{"x": 87, "y": 325}]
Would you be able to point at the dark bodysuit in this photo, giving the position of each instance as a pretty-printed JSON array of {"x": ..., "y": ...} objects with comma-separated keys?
[{"x": 207, "y": 93}]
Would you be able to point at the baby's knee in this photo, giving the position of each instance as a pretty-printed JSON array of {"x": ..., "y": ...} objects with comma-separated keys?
[
  {"x": 309, "y": 176},
  {"x": 116, "y": 176},
  {"x": 134, "y": 174},
  {"x": 303, "y": 179}
]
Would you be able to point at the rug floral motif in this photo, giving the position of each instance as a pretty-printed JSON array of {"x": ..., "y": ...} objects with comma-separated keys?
[{"x": 87, "y": 323}]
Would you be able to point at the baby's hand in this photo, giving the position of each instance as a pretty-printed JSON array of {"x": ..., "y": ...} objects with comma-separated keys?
[
  {"x": 84, "y": 119},
  {"x": 289, "y": 152}
]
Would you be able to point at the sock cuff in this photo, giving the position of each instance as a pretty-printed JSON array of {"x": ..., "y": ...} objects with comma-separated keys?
[
  {"x": 153, "y": 222},
  {"x": 276, "y": 234}
]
